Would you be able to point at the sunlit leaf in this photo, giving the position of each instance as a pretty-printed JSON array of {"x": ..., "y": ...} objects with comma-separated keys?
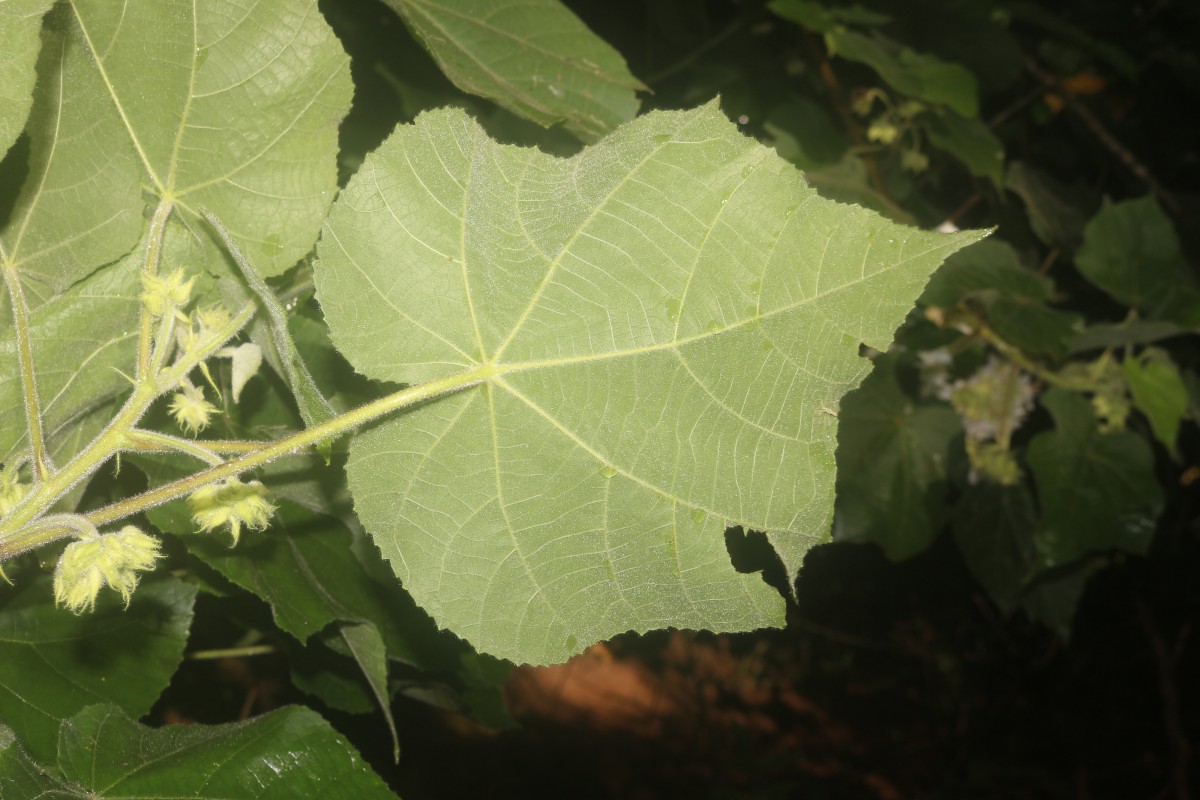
[
  {"x": 230, "y": 110},
  {"x": 669, "y": 319}
]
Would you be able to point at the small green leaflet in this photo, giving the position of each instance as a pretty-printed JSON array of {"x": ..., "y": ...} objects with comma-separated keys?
[{"x": 665, "y": 323}]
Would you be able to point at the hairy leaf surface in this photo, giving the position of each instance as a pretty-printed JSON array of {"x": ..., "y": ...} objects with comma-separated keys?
[
  {"x": 79, "y": 206},
  {"x": 80, "y": 338},
  {"x": 666, "y": 324},
  {"x": 534, "y": 57},
  {"x": 234, "y": 110}
]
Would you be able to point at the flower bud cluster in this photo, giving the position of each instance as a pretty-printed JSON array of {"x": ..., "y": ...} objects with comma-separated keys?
[
  {"x": 190, "y": 410},
  {"x": 110, "y": 559},
  {"x": 233, "y": 503},
  {"x": 160, "y": 295}
]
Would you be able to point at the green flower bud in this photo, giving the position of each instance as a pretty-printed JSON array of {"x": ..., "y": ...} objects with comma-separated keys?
[
  {"x": 160, "y": 293},
  {"x": 231, "y": 503},
  {"x": 190, "y": 410},
  {"x": 111, "y": 559}
]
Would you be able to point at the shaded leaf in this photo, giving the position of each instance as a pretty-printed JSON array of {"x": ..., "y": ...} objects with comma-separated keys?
[
  {"x": 1131, "y": 251},
  {"x": 367, "y": 648},
  {"x": 992, "y": 266},
  {"x": 1140, "y": 331},
  {"x": 918, "y": 75},
  {"x": 970, "y": 141},
  {"x": 892, "y": 457},
  {"x": 304, "y": 566},
  {"x": 20, "y": 25},
  {"x": 238, "y": 113},
  {"x": 995, "y": 528},
  {"x": 803, "y": 133},
  {"x": 663, "y": 318},
  {"x": 102, "y": 753},
  {"x": 79, "y": 340},
  {"x": 53, "y": 663},
  {"x": 1158, "y": 392},
  {"x": 1056, "y": 212},
  {"x": 533, "y": 57},
  {"x": 1097, "y": 490}
]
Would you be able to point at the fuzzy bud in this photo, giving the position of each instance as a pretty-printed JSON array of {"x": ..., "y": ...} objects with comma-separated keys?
[
  {"x": 111, "y": 559},
  {"x": 161, "y": 293},
  {"x": 190, "y": 410},
  {"x": 231, "y": 503}
]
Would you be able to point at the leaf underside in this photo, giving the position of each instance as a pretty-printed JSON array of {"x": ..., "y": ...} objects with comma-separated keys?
[{"x": 671, "y": 319}]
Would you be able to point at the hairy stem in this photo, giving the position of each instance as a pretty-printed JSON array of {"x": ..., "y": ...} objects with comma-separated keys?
[
  {"x": 33, "y": 406},
  {"x": 154, "y": 240},
  {"x": 29, "y": 538}
]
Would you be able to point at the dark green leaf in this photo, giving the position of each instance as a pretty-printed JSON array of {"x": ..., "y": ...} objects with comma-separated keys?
[
  {"x": 102, "y": 754},
  {"x": 1056, "y": 212},
  {"x": 1031, "y": 325},
  {"x": 990, "y": 267},
  {"x": 968, "y": 140},
  {"x": 1141, "y": 331},
  {"x": 916, "y": 75},
  {"x": 891, "y": 459},
  {"x": 1158, "y": 392},
  {"x": 995, "y": 527},
  {"x": 803, "y": 133},
  {"x": 53, "y": 663},
  {"x": 533, "y": 57},
  {"x": 1097, "y": 490},
  {"x": 1131, "y": 251}
]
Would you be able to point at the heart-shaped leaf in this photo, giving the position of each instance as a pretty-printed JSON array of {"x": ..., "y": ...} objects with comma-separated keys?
[{"x": 662, "y": 326}]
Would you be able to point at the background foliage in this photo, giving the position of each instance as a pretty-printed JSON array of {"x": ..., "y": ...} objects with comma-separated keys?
[{"x": 1020, "y": 467}]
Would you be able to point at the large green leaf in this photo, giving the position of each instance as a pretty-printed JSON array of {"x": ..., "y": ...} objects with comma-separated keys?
[
  {"x": 79, "y": 206},
  {"x": 533, "y": 57},
  {"x": 20, "y": 22},
  {"x": 52, "y": 663},
  {"x": 230, "y": 109},
  {"x": 666, "y": 324},
  {"x": 104, "y": 754},
  {"x": 80, "y": 339}
]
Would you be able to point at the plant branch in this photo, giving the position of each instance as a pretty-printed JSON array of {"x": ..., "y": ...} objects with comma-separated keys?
[
  {"x": 33, "y": 406},
  {"x": 403, "y": 399},
  {"x": 153, "y": 442},
  {"x": 39, "y": 534},
  {"x": 154, "y": 240},
  {"x": 1110, "y": 142}
]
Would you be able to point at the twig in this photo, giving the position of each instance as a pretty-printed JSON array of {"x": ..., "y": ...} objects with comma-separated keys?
[{"x": 1131, "y": 162}]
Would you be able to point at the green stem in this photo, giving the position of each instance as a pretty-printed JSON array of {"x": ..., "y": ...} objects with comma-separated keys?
[
  {"x": 153, "y": 442},
  {"x": 33, "y": 405},
  {"x": 232, "y": 652},
  {"x": 405, "y": 398},
  {"x": 113, "y": 438},
  {"x": 154, "y": 240},
  {"x": 28, "y": 538}
]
